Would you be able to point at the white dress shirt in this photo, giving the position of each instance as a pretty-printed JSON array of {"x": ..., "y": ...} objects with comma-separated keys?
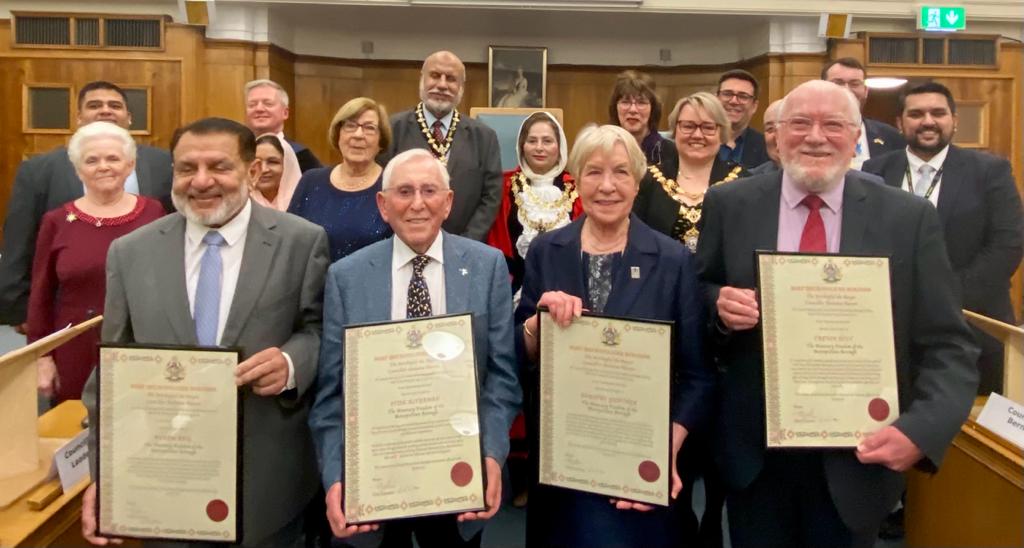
[
  {"x": 234, "y": 233},
  {"x": 915, "y": 164},
  {"x": 401, "y": 274}
]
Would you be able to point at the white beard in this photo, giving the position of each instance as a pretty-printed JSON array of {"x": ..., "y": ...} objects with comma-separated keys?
[{"x": 230, "y": 205}]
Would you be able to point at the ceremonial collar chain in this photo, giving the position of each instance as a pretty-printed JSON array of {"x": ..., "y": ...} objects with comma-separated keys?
[
  {"x": 440, "y": 150},
  {"x": 561, "y": 207},
  {"x": 676, "y": 192}
]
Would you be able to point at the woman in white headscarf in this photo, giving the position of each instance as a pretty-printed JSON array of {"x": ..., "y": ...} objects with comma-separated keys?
[
  {"x": 279, "y": 173},
  {"x": 539, "y": 194}
]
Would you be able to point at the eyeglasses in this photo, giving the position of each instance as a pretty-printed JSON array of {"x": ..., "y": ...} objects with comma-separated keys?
[
  {"x": 742, "y": 98},
  {"x": 687, "y": 128},
  {"x": 408, "y": 192},
  {"x": 850, "y": 84},
  {"x": 351, "y": 127},
  {"x": 803, "y": 126},
  {"x": 638, "y": 102}
]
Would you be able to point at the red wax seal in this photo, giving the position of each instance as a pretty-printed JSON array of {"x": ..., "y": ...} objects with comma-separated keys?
[
  {"x": 462, "y": 474},
  {"x": 649, "y": 471},
  {"x": 878, "y": 409},
  {"x": 217, "y": 510}
]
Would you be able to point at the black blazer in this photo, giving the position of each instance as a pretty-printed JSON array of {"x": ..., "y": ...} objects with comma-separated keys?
[
  {"x": 307, "y": 160},
  {"x": 474, "y": 163},
  {"x": 980, "y": 213},
  {"x": 883, "y": 138},
  {"x": 666, "y": 289},
  {"x": 46, "y": 182},
  {"x": 755, "y": 151},
  {"x": 935, "y": 354}
]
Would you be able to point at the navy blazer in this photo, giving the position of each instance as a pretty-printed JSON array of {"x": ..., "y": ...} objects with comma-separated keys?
[
  {"x": 882, "y": 138},
  {"x": 935, "y": 353},
  {"x": 665, "y": 290}
]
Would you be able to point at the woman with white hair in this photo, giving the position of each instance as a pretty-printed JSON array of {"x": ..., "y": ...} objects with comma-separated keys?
[
  {"x": 609, "y": 262},
  {"x": 68, "y": 272}
]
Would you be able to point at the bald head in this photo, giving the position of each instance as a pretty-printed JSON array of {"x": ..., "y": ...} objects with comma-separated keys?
[
  {"x": 807, "y": 91},
  {"x": 441, "y": 82},
  {"x": 771, "y": 116}
]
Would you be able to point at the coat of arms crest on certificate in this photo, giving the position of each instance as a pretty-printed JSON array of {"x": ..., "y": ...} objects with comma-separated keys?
[
  {"x": 831, "y": 272},
  {"x": 610, "y": 336},
  {"x": 413, "y": 339},
  {"x": 174, "y": 372}
]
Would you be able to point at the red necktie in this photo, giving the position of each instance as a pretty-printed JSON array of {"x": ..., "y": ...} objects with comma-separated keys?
[
  {"x": 812, "y": 240},
  {"x": 438, "y": 136}
]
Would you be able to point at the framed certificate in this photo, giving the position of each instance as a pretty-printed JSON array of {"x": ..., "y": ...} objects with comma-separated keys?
[
  {"x": 412, "y": 432},
  {"x": 605, "y": 422},
  {"x": 829, "y": 354},
  {"x": 169, "y": 433}
]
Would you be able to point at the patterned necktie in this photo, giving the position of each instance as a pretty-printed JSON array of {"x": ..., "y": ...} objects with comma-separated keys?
[
  {"x": 207, "y": 299},
  {"x": 438, "y": 130},
  {"x": 927, "y": 172},
  {"x": 417, "y": 300},
  {"x": 812, "y": 240}
]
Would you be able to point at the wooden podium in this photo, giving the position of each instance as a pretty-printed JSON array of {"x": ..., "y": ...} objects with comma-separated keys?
[
  {"x": 24, "y": 457},
  {"x": 977, "y": 497}
]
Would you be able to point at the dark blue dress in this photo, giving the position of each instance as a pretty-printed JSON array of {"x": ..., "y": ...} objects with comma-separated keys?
[{"x": 351, "y": 219}]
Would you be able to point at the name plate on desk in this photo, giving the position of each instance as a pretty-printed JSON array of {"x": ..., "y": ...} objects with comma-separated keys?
[
  {"x": 829, "y": 355},
  {"x": 1004, "y": 417},
  {"x": 169, "y": 434},
  {"x": 412, "y": 432},
  {"x": 604, "y": 410}
]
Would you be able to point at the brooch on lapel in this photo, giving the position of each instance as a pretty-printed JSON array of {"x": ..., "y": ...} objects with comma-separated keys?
[
  {"x": 463, "y": 271},
  {"x": 879, "y": 141}
]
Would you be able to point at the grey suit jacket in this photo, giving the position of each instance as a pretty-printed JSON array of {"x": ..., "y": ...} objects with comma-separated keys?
[
  {"x": 44, "y": 183},
  {"x": 474, "y": 163},
  {"x": 278, "y": 303},
  {"x": 935, "y": 353},
  {"x": 359, "y": 291}
]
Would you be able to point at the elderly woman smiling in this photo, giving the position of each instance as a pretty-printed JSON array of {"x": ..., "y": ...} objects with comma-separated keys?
[
  {"x": 68, "y": 272},
  {"x": 610, "y": 262}
]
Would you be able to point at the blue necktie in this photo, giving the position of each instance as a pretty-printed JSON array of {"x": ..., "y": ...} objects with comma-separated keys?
[{"x": 207, "y": 305}]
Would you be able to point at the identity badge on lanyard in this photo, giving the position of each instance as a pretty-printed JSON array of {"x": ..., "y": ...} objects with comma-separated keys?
[{"x": 931, "y": 188}]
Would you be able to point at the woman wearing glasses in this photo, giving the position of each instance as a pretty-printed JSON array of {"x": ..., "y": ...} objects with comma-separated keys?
[
  {"x": 343, "y": 198},
  {"x": 672, "y": 192},
  {"x": 635, "y": 107}
]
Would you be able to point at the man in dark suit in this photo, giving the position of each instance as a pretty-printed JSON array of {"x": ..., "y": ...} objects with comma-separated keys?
[
  {"x": 266, "y": 299},
  {"x": 469, "y": 149},
  {"x": 737, "y": 91},
  {"x": 978, "y": 205},
  {"x": 876, "y": 138},
  {"x": 266, "y": 109},
  {"x": 829, "y": 497},
  {"x": 49, "y": 180},
  {"x": 771, "y": 118},
  {"x": 376, "y": 284}
]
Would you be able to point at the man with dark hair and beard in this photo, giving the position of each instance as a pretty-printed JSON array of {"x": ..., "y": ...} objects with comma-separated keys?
[
  {"x": 466, "y": 147},
  {"x": 978, "y": 205}
]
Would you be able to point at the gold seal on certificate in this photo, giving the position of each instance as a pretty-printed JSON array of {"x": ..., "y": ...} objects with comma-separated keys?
[
  {"x": 412, "y": 433},
  {"x": 168, "y": 443},
  {"x": 604, "y": 409},
  {"x": 829, "y": 355}
]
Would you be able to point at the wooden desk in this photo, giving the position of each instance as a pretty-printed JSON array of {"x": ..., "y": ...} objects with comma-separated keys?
[
  {"x": 58, "y": 524},
  {"x": 976, "y": 499}
]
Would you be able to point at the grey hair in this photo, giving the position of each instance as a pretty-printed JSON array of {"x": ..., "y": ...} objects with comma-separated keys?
[
  {"x": 853, "y": 105},
  {"x": 98, "y": 130},
  {"x": 412, "y": 155},
  {"x": 593, "y": 138},
  {"x": 263, "y": 82}
]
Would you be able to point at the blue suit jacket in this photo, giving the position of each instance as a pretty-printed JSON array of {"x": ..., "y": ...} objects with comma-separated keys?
[
  {"x": 665, "y": 289},
  {"x": 359, "y": 291}
]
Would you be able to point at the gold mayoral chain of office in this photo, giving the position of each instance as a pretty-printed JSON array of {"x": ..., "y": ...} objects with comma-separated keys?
[
  {"x": 440, "y": 150},
  {"x": 560, "y": 207},
  {"x": 691, "y": 213}
]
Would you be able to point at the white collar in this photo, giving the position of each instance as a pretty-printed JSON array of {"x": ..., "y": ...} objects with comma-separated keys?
[
  {"x": 446, "y": 120},
  {"x": 232, "y": 231},
  {"x": 936, "y": 161},
  {"x": 402, "y": 253}
]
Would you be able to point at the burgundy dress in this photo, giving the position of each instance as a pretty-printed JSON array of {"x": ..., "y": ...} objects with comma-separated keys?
[{"x": 69, "y": 282}]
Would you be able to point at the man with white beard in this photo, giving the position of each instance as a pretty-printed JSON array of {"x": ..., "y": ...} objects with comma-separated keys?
[
  {"x": 817, "y": 204},
  {"x": 467, "y": 148}
]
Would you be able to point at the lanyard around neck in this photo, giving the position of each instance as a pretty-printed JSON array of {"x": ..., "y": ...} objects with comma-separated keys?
[{"x": 931, "y": 188}]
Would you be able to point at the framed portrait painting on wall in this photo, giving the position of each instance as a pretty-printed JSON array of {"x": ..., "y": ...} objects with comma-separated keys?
[{"x": 517, "y": 76}]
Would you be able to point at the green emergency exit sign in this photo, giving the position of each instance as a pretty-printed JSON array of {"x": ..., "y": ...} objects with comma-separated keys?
[{"x": 942, "y": 18}]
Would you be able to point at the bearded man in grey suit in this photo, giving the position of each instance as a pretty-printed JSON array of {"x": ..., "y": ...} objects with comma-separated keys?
[
  {"x": 269, "y": 303},
  {"x": 469, "y": 149},
  {"x": 376, "y": 284},
  {"x": 49, "y": 180}
]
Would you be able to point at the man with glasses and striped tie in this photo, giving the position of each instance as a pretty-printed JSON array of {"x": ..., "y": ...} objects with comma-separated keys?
[{"x": 224, "y": 271}]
